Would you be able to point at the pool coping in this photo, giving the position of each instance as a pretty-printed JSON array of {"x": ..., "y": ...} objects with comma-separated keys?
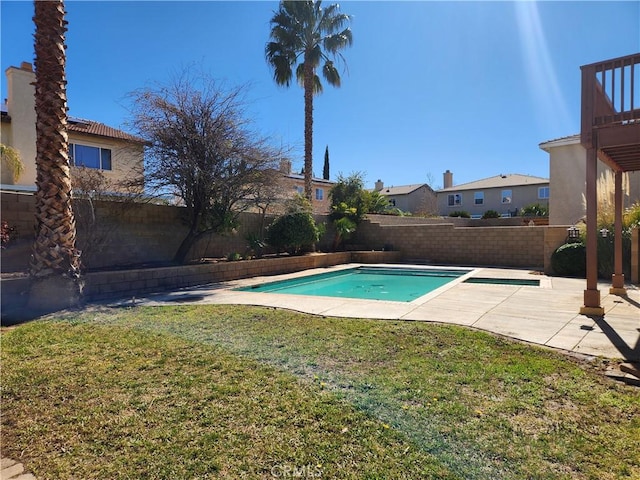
[
  {"x": 416, "y": 301},
  {"x": 547, "y": 314}
]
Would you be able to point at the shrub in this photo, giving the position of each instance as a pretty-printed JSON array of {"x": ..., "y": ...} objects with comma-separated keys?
[
  {"x": 293, "y": 232},
  {"x": 6, "y": 234},
  {"x": 344, "y": 227},
  {"x": 234, "y": 257},
  {"x": 256, "y": 244},
  {"x": 570, "y": 260},
  {"x": 535, "y": 210},
  {"x": 632, "y": 216},
  {"x": 460, "y": 213},
  {"x": 491, "y": 214}
]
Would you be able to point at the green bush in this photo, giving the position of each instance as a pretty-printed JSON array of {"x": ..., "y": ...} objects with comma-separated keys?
[
  {"x": 234, "y": 257},
  {"x": 460, "y": 213},
  {"x": 535, "y": 210},
  {"x": 293, "y": 232},
  {"x": 491, "y": 214},
  {"x": 570, "y": 260}
]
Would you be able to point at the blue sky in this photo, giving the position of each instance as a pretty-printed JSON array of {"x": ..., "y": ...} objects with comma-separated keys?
[{"x": 473, "y": 87}]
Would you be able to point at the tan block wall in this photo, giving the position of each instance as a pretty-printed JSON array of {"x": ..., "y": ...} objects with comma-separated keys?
[
  {"x": 124, "y": 234},
  {"x": 145, "y": 233},
  {"x": 444, "y": 243}
]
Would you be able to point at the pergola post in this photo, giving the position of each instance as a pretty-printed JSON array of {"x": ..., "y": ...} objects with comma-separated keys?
[
  {"x": 592, "y": 294},
  {"x": 617, "y": 279}
]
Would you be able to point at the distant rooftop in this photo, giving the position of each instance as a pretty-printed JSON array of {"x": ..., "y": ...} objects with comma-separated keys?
[
  {"x": 401, "y": 189},
  {"x": 82, "y": 125},
  {"x": 499, "y": 181},
  {"x": 315, "y": 179},
  {"x": 557, "y": 142},
  {"x": 90, "y": 127}
]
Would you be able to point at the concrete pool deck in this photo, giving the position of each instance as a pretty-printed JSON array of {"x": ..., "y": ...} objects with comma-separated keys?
[{"x": 544, "y": 315}]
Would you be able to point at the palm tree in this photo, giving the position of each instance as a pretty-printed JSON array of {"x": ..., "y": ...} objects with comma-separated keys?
[
  {"x": 305, "y": 34},
  {"x": 55, "y": 263}
]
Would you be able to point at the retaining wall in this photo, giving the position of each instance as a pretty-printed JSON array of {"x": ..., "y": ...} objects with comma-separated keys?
[{"x": 129, "y": 283}]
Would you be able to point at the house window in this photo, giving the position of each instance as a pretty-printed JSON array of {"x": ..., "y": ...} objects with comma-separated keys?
[
  {"x": 90, "y": 157},
  {"x": 454, "y": 200},
  {"x": 543, "y": 193},
  {"x": 478, "y": 198},
  {"x": 507, "y": 196},
  {"x": 319, "y": 194},
  {"x": 299, "y": 190}
]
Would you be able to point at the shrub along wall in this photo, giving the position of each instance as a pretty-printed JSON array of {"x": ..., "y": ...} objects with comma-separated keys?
[{"x": 145, "y": 233}]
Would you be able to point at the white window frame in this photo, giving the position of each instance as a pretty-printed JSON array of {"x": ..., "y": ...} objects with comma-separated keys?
[
  {"x": 541, "y": 195},
  {"x": 72, "y": 156},
  {"x": 319, "y": 194},
  {"x": 507, "y": 196},
  {"x": 457, "y": 200},
  {"x": 478, "y": 198}
]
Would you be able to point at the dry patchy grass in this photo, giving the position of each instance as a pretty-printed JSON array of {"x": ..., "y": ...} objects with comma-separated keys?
[{"x": 227, "y": 392}]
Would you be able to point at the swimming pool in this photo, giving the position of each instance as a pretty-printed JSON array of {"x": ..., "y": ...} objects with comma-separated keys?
[{"x": 370, "y": 283}]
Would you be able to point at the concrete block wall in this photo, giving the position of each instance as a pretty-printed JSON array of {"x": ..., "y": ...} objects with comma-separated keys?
[
  {"x": 123, "y": 234},
  {"x": 457, "y": 221},
  {"x": 444, "y": 243}
]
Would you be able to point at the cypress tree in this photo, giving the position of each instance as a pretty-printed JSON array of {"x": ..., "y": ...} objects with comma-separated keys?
[{"x": 325, "y": 170}]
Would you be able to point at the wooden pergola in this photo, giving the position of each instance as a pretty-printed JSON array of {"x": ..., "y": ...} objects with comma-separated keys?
[{"x": 610, "y": 132}]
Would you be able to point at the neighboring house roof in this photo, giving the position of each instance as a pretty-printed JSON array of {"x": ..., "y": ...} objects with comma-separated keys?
[
  {"x": 499, "y": 181},
  {"x": 296, "y": 176},
  {"x": 90, "y": 127},
  {"x": 80, "y": 125},
  {"x": 401, "y": 189},
  {"x": 559, "y": 142}
]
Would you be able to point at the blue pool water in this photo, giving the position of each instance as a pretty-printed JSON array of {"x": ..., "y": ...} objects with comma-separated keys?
[{"x": 371, "y": 283}]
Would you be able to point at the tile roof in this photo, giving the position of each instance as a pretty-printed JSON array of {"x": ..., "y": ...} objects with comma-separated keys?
[
  {"x": 401, "y": 189},
  {"x": 81, "y": 125},
  {"x": 297, "y": 176},
  {"x": 90, "y": 127},
  {"x": 499, "y": 181}
]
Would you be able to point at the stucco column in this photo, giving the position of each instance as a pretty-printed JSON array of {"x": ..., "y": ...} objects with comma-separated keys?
[
  {"x": 617, "y": 279},
  {"x": 592, "y": 294}
]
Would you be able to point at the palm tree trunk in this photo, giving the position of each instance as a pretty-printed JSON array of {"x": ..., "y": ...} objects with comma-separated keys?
[
  {"x": 308, "y": 128},
  {"x": 55, "y": 263}
]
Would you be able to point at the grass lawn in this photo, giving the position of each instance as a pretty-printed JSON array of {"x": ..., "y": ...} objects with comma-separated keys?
[{"x": 232, "y": 392}]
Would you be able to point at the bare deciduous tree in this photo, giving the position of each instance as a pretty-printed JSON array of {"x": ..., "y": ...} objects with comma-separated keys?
[
  {"x": 97, "y": 204},
  {"x": 202, "y": 149}
]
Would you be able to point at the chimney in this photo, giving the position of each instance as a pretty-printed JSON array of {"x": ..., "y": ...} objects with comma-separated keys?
[
  {"x": 26, "y": 66},
  {"x": 285, "y": 166},
  {"x": 448, "y": 179},
  {"x": 379, "y": 185}
]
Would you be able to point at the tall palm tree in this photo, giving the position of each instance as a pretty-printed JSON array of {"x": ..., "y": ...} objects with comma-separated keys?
[
  {"x": 54, "y": 267},
  {"x": 305, "y": 34}
]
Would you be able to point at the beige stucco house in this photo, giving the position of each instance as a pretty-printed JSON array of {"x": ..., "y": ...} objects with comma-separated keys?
[
  {"x": 116, "y": 154},
  {"x": 567, "y": 172},
  {"x": 292, "y": 184},
  {"x": 507, "y": 194},
  {"x": 416, "y": 198}
]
